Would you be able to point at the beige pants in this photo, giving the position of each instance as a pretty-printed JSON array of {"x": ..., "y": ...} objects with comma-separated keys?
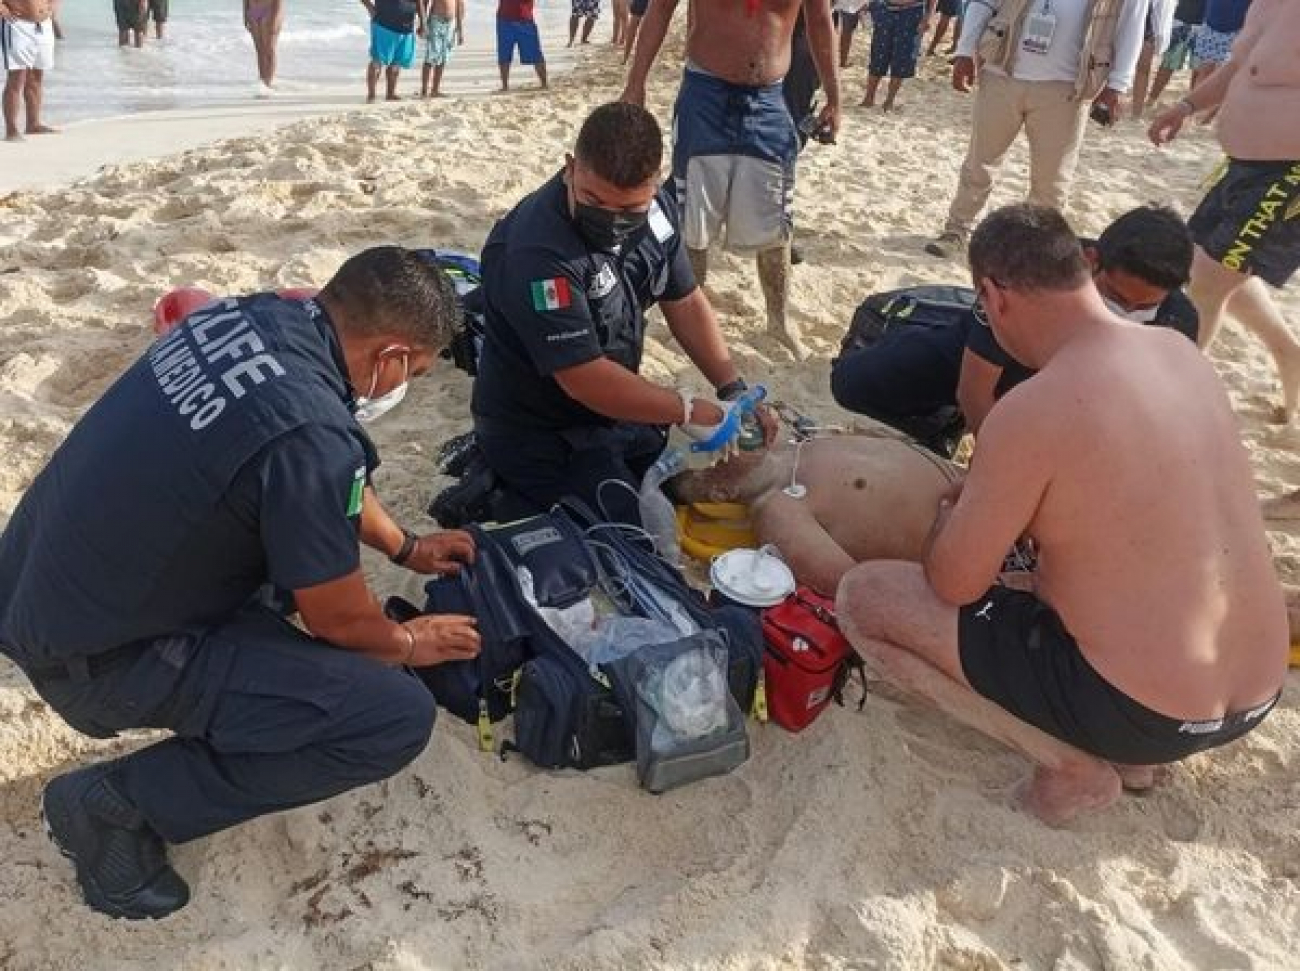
[{"x": 1053, "y": 122}]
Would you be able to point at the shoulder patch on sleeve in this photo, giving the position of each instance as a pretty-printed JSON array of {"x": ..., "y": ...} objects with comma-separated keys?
[
  {"x": 660, "y": 224},
  {"x": 551, "y": 294},
  {"x": 357, "y": 493}
]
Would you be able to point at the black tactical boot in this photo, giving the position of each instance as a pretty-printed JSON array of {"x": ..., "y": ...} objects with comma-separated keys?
[{"x": 121, "y": 862}]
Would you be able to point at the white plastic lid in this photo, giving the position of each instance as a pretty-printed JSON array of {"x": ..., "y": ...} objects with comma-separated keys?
[{"x": 755, "y": 578}]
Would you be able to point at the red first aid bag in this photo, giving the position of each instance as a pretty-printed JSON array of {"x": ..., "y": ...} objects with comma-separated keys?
[{"x": 805, "y": 659}]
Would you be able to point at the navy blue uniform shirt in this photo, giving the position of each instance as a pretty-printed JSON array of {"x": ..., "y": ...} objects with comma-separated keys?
[
  {"x": 552, "y": 302},
  {"x": 226, "y": 457}
]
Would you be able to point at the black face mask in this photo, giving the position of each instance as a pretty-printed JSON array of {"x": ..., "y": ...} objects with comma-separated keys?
[{"x": 608, "y": 230}]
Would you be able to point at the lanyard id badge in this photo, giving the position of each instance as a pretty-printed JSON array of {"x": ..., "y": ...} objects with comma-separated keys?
[{"x": 1040, "y": 27}]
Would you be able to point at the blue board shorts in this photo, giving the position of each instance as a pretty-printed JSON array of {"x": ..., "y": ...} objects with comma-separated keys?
[
  {"x": 896, "y": 41},
  {"x": 521, "y": 34},
  {"x": 734, "y": 151},
  {"x": 1211, "y": 46},
  {"x": 391, "y": 48}
]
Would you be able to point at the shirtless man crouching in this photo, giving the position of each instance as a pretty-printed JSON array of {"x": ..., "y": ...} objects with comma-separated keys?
[
  {"x": 864, "y": 498},
  {"x": 734, "y": 142},
  {"x": 1157, "y": 628},
  {"x": 26, "y": 53}
]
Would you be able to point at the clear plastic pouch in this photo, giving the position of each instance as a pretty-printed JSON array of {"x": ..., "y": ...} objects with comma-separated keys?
[{"x": 688, "y": 725}]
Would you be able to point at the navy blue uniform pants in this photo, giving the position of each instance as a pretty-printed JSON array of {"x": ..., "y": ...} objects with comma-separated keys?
[
  {"x": 265, "y": 718},
  {"x": 539, "y": 468},
  {"x": 907, "y": 380}
]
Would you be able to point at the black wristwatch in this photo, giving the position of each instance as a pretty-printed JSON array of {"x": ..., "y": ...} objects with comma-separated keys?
[
  {"x": 732, "y": 389},
  {"x": 409, "y": 541}
]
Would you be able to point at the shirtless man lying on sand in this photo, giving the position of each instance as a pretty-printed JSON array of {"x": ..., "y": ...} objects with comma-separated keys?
[
  {"x": 1157, "y": 627},
  {"x": 867, "y": 498}
]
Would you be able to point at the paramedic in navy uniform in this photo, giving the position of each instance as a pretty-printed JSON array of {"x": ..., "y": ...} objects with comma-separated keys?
[
  {"x": 567, "y": 279},
  {"x": 228, "y": 460}
]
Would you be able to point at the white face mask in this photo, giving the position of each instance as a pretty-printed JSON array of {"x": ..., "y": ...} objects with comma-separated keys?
[
  {"x": 1143, "y": 316},
  {"x": 370, "y": 409}
]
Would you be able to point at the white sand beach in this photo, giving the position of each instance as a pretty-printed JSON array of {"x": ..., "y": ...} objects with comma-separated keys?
[{"x": 879, "y": 839}]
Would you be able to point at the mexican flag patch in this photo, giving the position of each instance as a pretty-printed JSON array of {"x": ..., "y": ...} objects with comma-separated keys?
[
  {"x": 551, "y": 294},
  {"x": 357, "y": 493}
]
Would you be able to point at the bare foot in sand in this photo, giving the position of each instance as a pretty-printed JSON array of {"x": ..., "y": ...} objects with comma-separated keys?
[
  {"x": 1289, "y": 371},
  {"x": 393, "y": 97},
  {"x": 1283, "y": 507},
  {"x": 1057, "y": 796},
  {"x": 42, "y": 130},
  {"x": 13, "y": 136},
  {"x": 1141, "y": 779}
]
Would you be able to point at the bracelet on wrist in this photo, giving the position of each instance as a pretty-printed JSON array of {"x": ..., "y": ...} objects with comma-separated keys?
[
  {"x": 409, "y": 543},
  {"x": 410, "y": 645},
  {"x": 732, "y": 389}
]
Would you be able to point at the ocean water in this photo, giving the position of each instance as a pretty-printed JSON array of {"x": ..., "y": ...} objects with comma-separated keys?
[{"x": 206, "y": 57}]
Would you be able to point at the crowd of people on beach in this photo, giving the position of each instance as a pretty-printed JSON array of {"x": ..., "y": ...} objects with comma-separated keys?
[{"x": 1094, "y": 588}]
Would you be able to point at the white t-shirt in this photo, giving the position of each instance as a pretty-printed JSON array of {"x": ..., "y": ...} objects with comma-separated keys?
[
  {"x": 1060, "y": 62},
  {"x": 849, "y": 6}
]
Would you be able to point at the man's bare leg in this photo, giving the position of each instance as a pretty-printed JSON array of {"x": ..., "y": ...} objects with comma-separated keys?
[
  {"x": 807, "y": 548},
  {"x": 425, "y": 73},
  {"x": 939, "y": 32},
  {"x": 437, "y": 79},
  {"x": 873, "y": 85},
  {"x": 505, "y": 76},
  {"x": 33, "y": 95},
  {"x": 15, "y": 82},
  {"x": 1214, "y": 288},
  {"x": 774, "y": 275},
  {"x": 390, "y": 77},
  {"x": 900, "y": 627},
  {"x": 373, "y": 70},
  {"x": 1142, "y": 81},
  {"x": 891, "y": 93},
  {"x": 1255, "y": 310},
  {"x": 1163, "y": 76},
  {"x": 540, "y": 68},
  {"x": 629, "y": 37}
]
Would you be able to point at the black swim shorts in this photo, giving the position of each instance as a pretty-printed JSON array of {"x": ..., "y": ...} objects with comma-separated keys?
[
  {"x": 1250, "y": 219},
  {"x": 1016, "y": 652}
]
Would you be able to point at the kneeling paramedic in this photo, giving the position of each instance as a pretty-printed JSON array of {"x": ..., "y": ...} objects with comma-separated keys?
[
  {"x": 559, "y": 409},
  {"x": 222, "y": 472}
]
